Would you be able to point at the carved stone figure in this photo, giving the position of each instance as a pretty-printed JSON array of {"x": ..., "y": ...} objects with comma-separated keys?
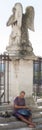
[
  {"x": 15, "y": 21},
  {"x": 20, "y": 23}
]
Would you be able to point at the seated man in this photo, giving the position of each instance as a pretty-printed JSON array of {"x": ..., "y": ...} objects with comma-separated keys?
[{"x": 21, "y": 111}]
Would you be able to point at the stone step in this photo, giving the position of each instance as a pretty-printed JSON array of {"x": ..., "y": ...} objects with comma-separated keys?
[
  {"x": 13, "y": 125},
  {"x": 38, "y": 120},
  {"x": 25, "y": 129},
  {"x": 39, "y": 102},
  {"x": 18, "y": 126},
  {"x": 8, "y": 120},
  {"x": 37, "y": 128},
  {"x": 9, "y": 107},
  {"x": 5, "y": 107},
  {"x": 13, "y": 119},
  {"x": 35, "y": 114},
  {"x": 39, "y": 109}
]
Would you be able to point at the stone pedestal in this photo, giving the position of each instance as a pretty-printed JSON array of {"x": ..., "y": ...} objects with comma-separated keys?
[
  {"x": 20, "y": 77},
  {"x": 20, "y": 71}
]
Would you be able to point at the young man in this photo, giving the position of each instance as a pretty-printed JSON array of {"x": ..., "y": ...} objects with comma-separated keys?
[{"x": 22, "y": 111}]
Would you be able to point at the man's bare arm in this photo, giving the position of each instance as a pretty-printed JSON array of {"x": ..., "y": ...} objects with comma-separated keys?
[{"x": 19, "y": 107}]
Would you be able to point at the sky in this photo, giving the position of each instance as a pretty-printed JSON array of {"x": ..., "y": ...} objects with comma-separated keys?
[{"x": 35, "y": 37}]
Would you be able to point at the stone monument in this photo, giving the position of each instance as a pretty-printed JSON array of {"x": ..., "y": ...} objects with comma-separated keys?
[
  {"x": 19, "y": 43},
  {"x": 20, "y": 50}
]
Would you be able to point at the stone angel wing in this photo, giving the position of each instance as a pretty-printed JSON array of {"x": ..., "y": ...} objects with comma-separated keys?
[
  {"x": 10, "y": 20},
  {"x": 30, "y": 17}
]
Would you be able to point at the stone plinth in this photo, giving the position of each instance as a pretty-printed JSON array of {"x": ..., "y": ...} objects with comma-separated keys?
[{"x": 20, "y": 77}]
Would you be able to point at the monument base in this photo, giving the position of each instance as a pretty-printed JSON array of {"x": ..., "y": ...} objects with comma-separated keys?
[
  {"x": 16, "y": 53},
  {"x": 20, "y": 72},
  {"x": 20, "y": 77}
]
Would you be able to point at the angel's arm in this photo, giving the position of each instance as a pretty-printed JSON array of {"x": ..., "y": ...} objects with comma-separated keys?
[{"x": 10, "y": 20}]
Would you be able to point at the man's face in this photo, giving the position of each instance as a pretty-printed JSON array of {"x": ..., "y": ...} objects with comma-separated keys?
[{"x": 22, "y": 95}]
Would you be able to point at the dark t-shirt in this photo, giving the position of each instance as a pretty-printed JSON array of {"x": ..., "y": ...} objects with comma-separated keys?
[{"x": 19, "y": 101}]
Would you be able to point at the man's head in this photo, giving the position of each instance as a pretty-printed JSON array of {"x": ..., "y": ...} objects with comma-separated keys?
[{"x": 22, "y": 94}]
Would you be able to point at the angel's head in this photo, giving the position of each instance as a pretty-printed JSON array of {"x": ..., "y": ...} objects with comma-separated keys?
[{"x": 18, "y": 11}]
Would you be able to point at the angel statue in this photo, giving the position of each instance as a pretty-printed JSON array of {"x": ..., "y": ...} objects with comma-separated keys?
[{"x": 20, "y": 23}]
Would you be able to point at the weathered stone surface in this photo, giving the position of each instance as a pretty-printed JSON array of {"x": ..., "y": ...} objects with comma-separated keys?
[
  {"x": 18, "y": 125},
  {"x": 19, "y": 44},
  {"x": 13, "y": 125},
  {"x": 20, "y": 51}
]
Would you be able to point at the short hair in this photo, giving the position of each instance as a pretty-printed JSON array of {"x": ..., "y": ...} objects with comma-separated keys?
[{"x": 22, "y": 92}]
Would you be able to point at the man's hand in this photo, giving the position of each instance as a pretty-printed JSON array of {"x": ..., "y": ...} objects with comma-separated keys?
[{"x": 26, "y": 107}]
